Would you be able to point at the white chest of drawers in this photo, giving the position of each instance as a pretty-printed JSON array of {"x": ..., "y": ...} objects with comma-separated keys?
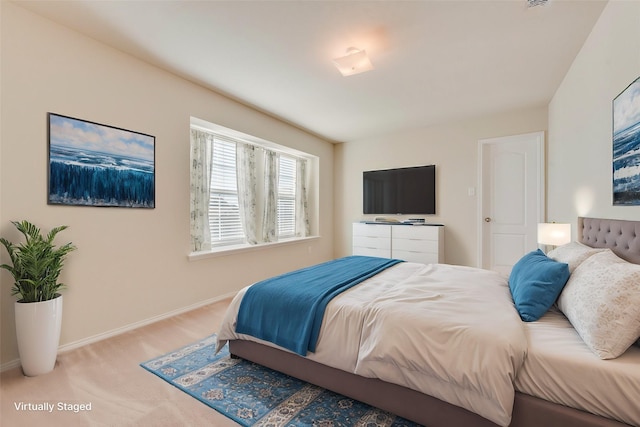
[{"x": 423, "y": 243}]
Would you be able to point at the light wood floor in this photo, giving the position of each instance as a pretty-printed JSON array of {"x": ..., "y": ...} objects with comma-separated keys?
[{"x": 108, "y": 375}]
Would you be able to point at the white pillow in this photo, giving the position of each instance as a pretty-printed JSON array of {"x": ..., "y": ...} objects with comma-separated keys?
[
  {"x": 602, "y": 301},
  {"x": 573, "y": 253}
]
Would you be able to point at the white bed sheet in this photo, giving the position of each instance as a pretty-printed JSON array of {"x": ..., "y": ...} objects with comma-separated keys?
[
  {"x": 469, "y": 361},
  {"x": 561, "y": 368}
]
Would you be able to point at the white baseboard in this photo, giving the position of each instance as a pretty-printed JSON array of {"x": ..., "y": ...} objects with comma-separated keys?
[
  {"x": 10, "y": 365},
  {"x": 130, "y": 327}
]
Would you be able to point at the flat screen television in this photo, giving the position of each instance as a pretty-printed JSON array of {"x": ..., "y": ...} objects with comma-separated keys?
[{"x": 405, "y": 191}]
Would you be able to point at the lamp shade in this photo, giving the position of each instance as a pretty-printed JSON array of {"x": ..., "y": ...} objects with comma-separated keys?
[
  {"x": 354, "y": 62},
  {"x": 554, "y": 234}
]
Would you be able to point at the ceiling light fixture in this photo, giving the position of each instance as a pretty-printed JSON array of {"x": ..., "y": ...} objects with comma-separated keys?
[
  {"x": 354, "y": 62},
  {"x": 534, "y": 3}
]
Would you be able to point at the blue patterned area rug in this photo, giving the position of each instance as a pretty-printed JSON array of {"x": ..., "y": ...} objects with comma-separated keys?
[{"x": 253, "y": 395}]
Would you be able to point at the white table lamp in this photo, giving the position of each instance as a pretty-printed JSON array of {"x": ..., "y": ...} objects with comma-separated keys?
[{"x": 554, "y": 234}]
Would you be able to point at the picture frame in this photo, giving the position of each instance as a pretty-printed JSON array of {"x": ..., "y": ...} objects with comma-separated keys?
[
  {"x": 626, "y": 146},
  {"x": 93, "y": 164}
]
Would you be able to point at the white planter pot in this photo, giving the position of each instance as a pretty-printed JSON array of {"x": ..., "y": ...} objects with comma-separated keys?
[{"x": 38, "y": 327}]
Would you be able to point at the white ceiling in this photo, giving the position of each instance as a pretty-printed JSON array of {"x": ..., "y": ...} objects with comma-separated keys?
[{"x": 434, "y": 61}]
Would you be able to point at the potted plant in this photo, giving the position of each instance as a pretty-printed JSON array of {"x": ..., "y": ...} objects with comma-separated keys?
[{"x": 35, "y": 266}]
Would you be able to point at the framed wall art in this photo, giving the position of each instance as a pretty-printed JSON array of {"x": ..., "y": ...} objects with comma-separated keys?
[
  {"x": 92, "y": 164},
  {"x": 626, "y": 146}
]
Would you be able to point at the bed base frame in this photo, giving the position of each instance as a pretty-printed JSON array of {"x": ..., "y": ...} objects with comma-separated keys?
[
  {"x": 623, "y": 237},
  {"x": 528, "y": 411}
]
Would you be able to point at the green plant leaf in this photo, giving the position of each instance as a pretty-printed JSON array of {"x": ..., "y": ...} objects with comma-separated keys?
[{"x": 36, "y": 262}]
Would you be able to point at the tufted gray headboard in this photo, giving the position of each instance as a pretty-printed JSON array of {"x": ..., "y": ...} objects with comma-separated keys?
[{"x": 622, "y": 237}]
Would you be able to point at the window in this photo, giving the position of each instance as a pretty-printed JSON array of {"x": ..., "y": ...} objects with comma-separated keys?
[
  {"x": 245, "y": 191},
  {"x": 224, "y": 212},
  {"x": 286, "y": 197}
]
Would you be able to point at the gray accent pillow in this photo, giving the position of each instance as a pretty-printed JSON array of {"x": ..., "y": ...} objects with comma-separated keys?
[{"x": 574, "y": 254}]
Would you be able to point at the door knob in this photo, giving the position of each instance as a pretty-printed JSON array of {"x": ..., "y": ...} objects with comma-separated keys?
[{"x": 487, "y": 219}]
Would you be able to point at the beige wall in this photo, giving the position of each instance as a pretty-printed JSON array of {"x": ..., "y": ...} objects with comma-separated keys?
[
  {"x": 453, "y": 148},
  {"x": 580, "y": 118},
  {"x": 131, "y": 264}
]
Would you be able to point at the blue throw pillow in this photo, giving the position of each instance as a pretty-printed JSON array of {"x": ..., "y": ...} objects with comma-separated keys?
[{"x": 535, "y": 283}]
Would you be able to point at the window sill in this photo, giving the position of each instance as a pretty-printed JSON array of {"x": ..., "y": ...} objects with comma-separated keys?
[{"x": 236, "y": 249}]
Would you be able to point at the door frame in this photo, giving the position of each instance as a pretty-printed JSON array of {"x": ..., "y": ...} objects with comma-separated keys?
[{"x": 541, "y": 197}]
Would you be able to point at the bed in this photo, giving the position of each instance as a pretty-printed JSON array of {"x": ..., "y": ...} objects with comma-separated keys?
[{"x": 528, "y": 374}]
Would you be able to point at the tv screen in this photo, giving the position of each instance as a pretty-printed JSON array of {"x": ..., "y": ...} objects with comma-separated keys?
[{"x": 400, "y": 191}]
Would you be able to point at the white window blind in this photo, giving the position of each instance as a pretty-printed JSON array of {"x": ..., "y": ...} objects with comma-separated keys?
[
  {"x": 286, "y": 196},
  {"x": 224, "y": 212}
]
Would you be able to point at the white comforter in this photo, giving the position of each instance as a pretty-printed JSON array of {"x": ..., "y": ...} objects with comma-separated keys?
[{"x": 451, "y": 332}]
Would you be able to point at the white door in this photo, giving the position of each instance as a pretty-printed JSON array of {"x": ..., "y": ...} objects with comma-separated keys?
[{"x": 511, "y": 198}]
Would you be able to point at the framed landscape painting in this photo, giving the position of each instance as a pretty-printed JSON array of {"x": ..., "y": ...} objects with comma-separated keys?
[
  {"x": 91, "y": 164},
  {"x": 626, "y": 146}
]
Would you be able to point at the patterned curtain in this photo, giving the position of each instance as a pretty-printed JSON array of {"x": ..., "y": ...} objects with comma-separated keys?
[
  {"x": 270, "y": 215},
  {"x": 302, "y": 213},
  {"x": 247, "y": 190},
  {"x": 201, "y": 161}
]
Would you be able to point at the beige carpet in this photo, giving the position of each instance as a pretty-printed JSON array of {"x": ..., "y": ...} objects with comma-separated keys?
[{"x": 107, "y": 375}]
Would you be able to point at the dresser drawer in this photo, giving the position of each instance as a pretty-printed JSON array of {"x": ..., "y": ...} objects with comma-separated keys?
[
  {"x": 414, "y": 245},
  {"x": 377, "y": 252},
  {"x": 424, "y": 232},
  {"x": 421, "y": 257},
  {"x": 372, "y": 230},
  {"x": 371, "y": 242}
]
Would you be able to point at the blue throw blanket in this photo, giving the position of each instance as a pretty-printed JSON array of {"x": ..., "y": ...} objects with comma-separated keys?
[{"x": 287, "y": 310}]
